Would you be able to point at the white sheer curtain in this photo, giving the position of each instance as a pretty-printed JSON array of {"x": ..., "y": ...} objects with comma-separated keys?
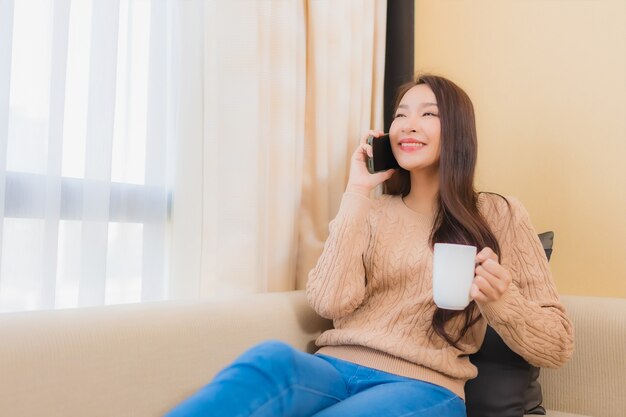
[
  {"x": 155, "y": 149},
  {"x": 84, "y": 126}
]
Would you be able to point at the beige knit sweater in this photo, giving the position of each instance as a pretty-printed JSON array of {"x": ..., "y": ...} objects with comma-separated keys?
[{"x": 373, "y": 280}]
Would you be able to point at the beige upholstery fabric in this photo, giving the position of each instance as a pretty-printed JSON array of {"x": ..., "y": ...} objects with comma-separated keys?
[
  {"x": 593, "y": 381},
  {"x": 136, "y": 360},
  {"x": 140, "y": 360},
  {"x": 552, "y": 413}
]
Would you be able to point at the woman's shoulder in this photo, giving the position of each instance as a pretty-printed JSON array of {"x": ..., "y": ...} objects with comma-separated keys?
[
  {"x": 498, "y": 207},
  {"x": 382, "y": 202},
  {"x": 385, "y": 202},
  {"x": 353, "y": 202},
  {"x": 385, "y": 198},
  {"x": 386, "y": 206}
]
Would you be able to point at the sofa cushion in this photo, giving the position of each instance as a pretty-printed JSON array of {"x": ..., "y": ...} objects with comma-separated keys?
[
  {"x": 552, "y": 413},
  {"x": 506, "y": 385}
]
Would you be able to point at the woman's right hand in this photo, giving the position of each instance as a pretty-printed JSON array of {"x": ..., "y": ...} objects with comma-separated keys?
[{"x": 360, "y": 180}]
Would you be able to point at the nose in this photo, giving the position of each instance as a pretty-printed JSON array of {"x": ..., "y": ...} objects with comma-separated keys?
[{"x": 410, "y": 125}]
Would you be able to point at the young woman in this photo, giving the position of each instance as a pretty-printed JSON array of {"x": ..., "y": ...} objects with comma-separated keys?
[{"x": 392, "y": 352}]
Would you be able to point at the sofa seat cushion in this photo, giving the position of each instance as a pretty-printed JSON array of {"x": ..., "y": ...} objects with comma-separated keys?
[{"x": 552, "y": 413}]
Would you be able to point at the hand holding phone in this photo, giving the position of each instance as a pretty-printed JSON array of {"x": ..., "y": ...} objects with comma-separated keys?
[
  {"x": 382, "y": 156},
  {"x": 361, "y": 180}
]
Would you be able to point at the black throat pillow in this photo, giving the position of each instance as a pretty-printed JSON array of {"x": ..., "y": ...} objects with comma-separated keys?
[{"x": 506, "y": 385}]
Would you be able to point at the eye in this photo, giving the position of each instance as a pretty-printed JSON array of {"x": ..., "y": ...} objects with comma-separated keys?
[
  {"x": 430, "y": 114},
  {"x": 399, "y": 115}
]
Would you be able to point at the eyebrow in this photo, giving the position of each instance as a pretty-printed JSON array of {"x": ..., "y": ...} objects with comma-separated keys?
[{"x": 404, "y": 106}]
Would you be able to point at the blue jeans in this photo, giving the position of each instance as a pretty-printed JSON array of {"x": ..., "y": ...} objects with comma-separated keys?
[{"x": 273, "y": 379}]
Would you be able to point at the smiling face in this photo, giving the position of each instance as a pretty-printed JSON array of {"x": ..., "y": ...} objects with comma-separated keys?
[{"x": 416, "y": 130}]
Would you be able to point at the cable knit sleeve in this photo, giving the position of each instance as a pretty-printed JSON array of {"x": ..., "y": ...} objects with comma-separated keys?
[
  {"x": 336, "y": 286},
  {"x": 529, "y": 317}
]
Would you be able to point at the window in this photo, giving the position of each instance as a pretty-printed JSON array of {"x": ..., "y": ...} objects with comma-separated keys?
[{"x": 86, "y": 198}]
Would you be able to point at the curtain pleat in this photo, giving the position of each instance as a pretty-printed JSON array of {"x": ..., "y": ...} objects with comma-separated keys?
[
  {"x": 345, "y": 75},
  {"x": 188, "y": 61},
  {"x": 60, "y": 28},
  {"x": 281, "y": 123},
  {"x": 153, "y": 280},
  {"x": 230, "y": 177},
  {"x": 211, "y": 151},
  {"x": 254, "y": 101},
  {"x": 6, "y": 38},
  {"x": 376, "y": 104},
  {"x": 268, "y": 48},
  {"x": 98, "y": 149}
]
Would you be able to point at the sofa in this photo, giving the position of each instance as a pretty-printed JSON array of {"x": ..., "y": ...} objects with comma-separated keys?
[{"x": 141, "y": 359}]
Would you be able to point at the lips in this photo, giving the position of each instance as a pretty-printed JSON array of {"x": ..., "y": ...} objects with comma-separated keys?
[{"x": 410, "y": 144}]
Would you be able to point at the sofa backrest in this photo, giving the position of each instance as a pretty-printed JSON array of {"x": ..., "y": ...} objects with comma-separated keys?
[{"x": 593, "y": 381}]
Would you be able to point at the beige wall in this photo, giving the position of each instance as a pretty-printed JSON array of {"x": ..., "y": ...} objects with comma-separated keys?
[{"x": 548, "y": 80}]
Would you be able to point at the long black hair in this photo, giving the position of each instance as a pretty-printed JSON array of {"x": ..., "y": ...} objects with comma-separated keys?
[{"x": 457, "y": 219}]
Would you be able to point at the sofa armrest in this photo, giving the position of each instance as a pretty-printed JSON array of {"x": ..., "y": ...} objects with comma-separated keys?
[
  {"x": 592, "y": 382},
  {"x": 136, "y": 360}
]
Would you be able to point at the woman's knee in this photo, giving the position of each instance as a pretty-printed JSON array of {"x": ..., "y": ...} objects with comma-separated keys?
[
  {"x": 273, "y": 358},
  {"x": 272, "y": 350}
]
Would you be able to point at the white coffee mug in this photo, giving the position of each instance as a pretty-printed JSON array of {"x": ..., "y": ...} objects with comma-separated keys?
[{"x": 453, "y": 273}]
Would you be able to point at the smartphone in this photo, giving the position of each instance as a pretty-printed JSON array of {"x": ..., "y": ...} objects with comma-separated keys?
[{"x": 383, "y": 158}]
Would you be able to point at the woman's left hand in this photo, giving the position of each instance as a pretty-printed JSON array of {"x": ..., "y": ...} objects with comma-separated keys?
[{"x": 491, "y": 279}]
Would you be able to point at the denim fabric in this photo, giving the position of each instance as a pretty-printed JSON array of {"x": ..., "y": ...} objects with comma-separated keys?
[{"x": 274, "y": 379}]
